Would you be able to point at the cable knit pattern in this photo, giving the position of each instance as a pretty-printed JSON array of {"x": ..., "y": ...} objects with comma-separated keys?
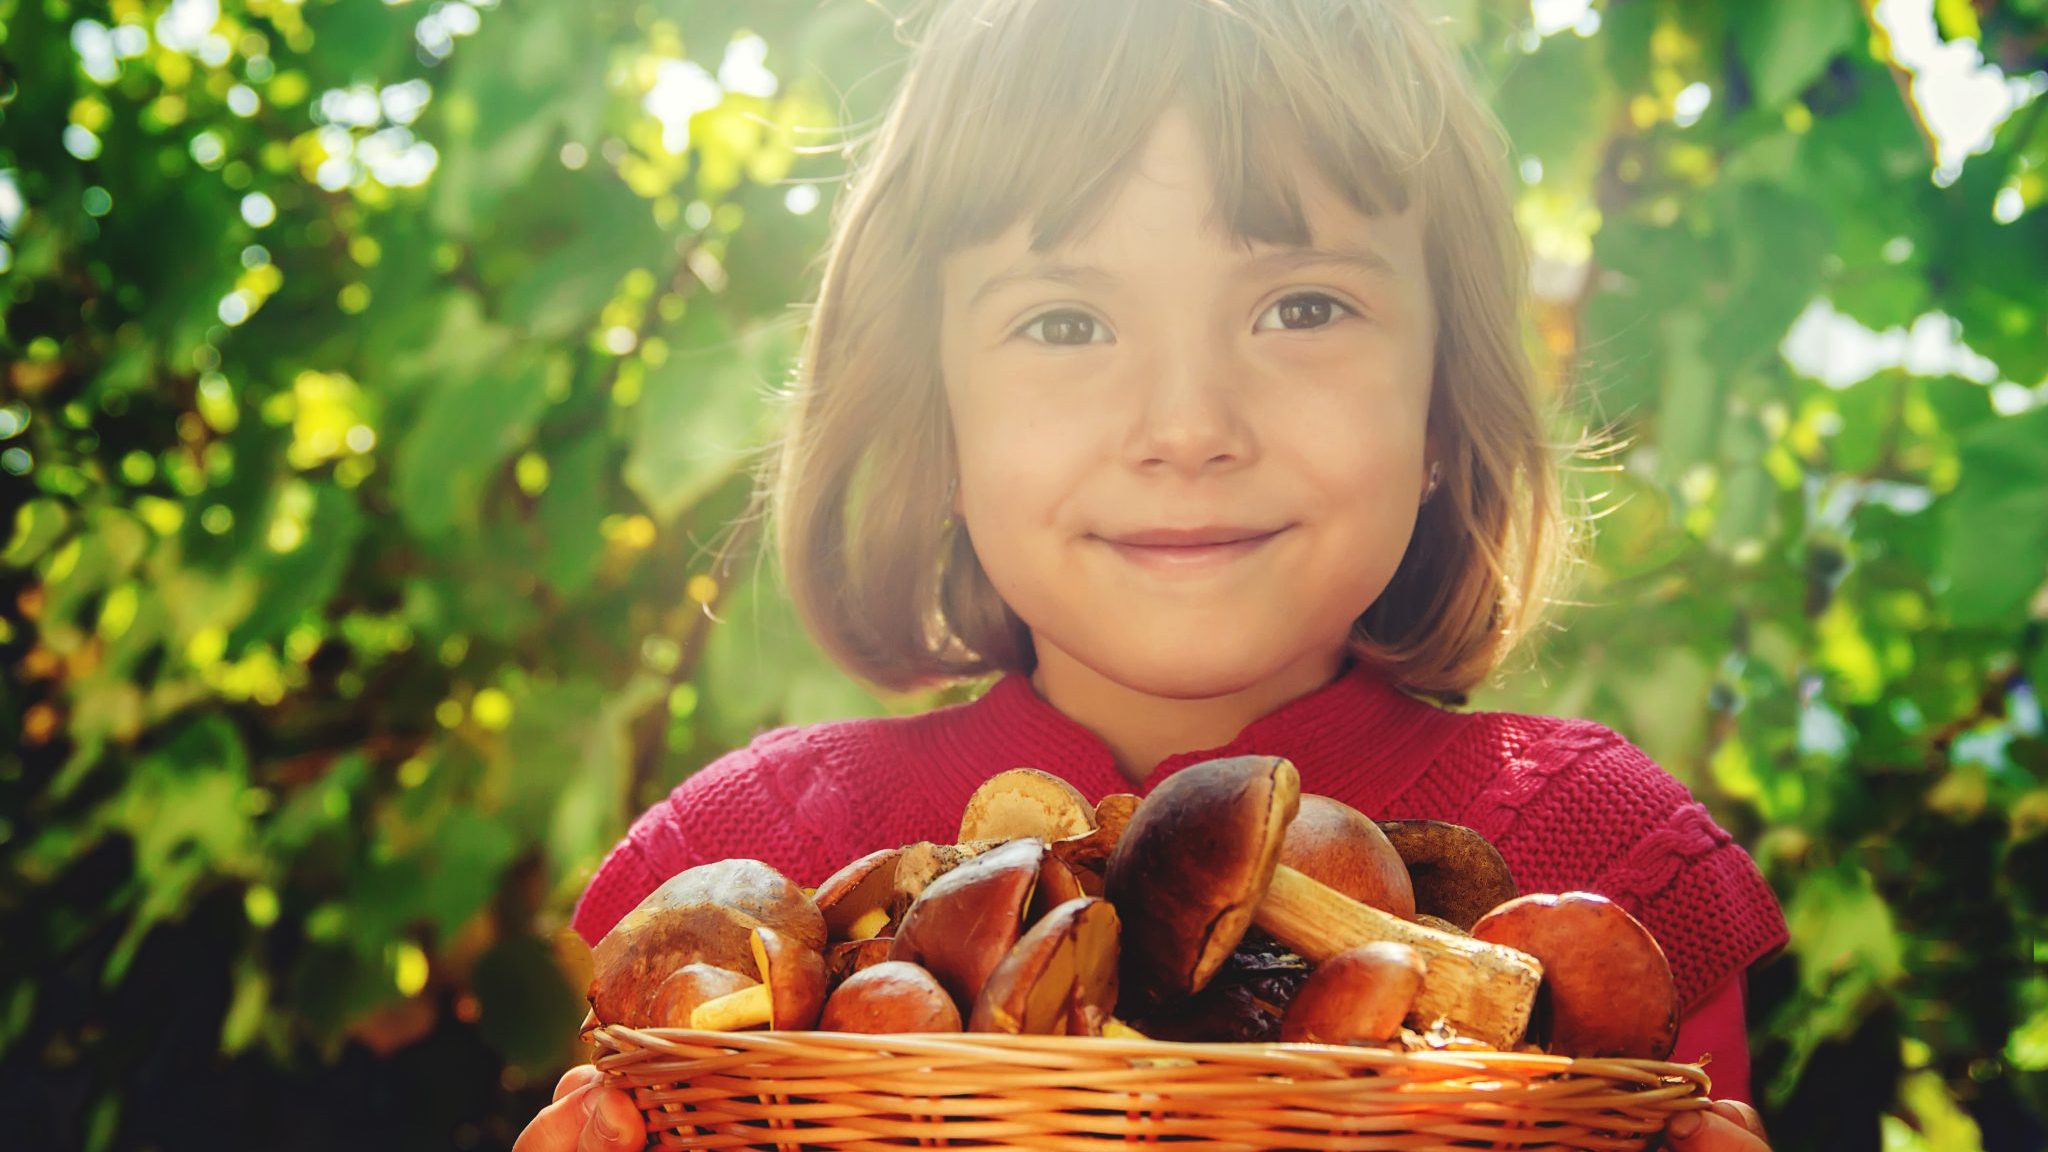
[{"x": 1569, "y": 804}]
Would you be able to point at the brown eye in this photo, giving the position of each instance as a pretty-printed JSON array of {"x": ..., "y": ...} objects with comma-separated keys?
[
  {"x": 1067, "y": 329},
  {"x": 1306, "y": 312}
]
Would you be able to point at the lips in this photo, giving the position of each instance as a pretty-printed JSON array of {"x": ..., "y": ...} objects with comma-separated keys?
[{"x": 1189, "y": 537}]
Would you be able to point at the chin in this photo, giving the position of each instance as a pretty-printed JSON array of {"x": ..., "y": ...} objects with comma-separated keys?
[{"x": 1202, "y": 674}]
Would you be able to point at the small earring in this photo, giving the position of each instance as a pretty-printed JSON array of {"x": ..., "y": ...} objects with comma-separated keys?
[{"x": 1436, "y": 478}]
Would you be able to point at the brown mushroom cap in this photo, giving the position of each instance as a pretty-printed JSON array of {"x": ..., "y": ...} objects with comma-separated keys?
[
  {"x": 789, "y": 996},
  {"x": 1061, "y": 976},
  {"x": 690, "y": 986},
  {"x": 1026, "y": 802},
  {"x": 1336, "y": 844},
  {"x": 858, "y": 889},
  {"x": 893, "y": 996},
  {"x": 1456, "y": 874},
  {"x": 703, "y": 915},
  {"x": 846, "y": 957},
  {"x": 967, "y": 920},
  {"x": 1088, "y": 855},
  {"x": 1606, "y": 983},
  {"x": 1192, "y": 867},
  {"x": 1358, "y": 996}
]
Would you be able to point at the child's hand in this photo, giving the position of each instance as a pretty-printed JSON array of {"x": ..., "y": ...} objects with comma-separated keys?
[
  {"x": 585, "y": 1117},
  {"x": 1730, "y": 1126}
]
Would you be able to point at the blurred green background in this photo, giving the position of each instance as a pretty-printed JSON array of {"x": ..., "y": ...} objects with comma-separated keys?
[{"x": 380, "y": 376}]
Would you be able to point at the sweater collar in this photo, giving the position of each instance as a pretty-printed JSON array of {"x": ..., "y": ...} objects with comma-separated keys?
[{"x": 1356, "y": 727}]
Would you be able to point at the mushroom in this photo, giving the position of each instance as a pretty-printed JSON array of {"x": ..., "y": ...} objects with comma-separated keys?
[
  {"x": 1243, "y": 1003},
  {"x": 1060, "y": 979},
  {"x": 847, "y": 957},
  {"x": 1025, "y": 802},
  {"x": 1335, "y": 843},
  {"x": 1087, "y": 855},
  {"x": 703, "y": 915},
  {"x": 860, "y": 900},
  {"x": 689, "y": 986},
  {"x": 1606, "y": 984},
  {"x": 963, "y": 925},
  {"x": 925, "y": 861},
  {"x": 789, "y": 996},
  {"x": 1358, "y": 996},
  {"x": 1057, "y": 884},
  {"x": 1200, "y": 860},
  {"x": 1456, "y": 874},
  {"x": 893, "y": 996}
]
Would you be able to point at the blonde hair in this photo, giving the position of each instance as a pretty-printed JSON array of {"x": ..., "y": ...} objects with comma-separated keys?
[{"x": 1018, "y": 110}]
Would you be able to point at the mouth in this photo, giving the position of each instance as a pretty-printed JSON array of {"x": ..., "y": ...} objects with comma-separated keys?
[
  {"x": 1169, "y": 551},
  {"x": 1206, "y": 537}
]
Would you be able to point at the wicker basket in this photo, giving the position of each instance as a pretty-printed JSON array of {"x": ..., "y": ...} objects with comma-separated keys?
[{"x": 805, "y": 1090}]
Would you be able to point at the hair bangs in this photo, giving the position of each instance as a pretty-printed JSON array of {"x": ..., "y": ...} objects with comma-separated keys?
[{"x": 1049, "y": 140}]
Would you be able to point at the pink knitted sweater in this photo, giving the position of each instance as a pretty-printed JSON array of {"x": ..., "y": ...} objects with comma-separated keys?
[{"x": 1569, "y": 804}]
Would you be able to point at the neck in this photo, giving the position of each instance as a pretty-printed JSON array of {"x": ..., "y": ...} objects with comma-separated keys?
[{"x": 1142, "y": 728}]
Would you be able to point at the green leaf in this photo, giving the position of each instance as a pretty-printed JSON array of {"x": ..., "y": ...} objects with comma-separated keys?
[
  {"x": 1786, "y": 44},
  {"x": 37, "y": 525},
  {"x": 1995, "y": 554},
  {"x": 700, "y": 416},
  {"x": 307, "y": 576},
  {"x": 1558, "y": 105},
  {"x": 468, "y": 426},
  {"x": 575, "y": 503},
  {"x": 567, "y": 762}
]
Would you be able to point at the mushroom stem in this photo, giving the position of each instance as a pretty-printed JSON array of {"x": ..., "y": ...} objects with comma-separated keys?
[
  {"x": 749, "y": 1007},
  {"x": 1482, "y": 990},
  {"x": 868, "y": 924}
]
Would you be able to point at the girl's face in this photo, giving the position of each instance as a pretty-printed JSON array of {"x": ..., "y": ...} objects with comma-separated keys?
[{"x": 1186, "y": 463}]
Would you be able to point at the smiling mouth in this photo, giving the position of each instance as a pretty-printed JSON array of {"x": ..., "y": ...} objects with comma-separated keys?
[{"x": 1177, "y": 554}]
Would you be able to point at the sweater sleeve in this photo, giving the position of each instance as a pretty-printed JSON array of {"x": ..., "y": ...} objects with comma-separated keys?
[
  {"x": 776, "y": 800},
  {"x": 1578, "y": 806}
]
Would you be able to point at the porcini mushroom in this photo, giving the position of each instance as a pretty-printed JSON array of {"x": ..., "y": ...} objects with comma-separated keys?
[
  {"x": 846, "y": 957},
  {"x": 1358, "y": 996},
  {"x": 692, "y": 985},
  {"x": 1087, "y": 855},
  {"x": 704, "y": 915},
  {"x": 1200, "y": 861},
  {"x": 789, "y": 996},
  {"x": 1336, "y": 844},
  {"x": 967, "y": 920},
  {"x": 1060, "y": 978},
  {"x": 893, "y": 996},
  {"x": 1607, "y": 986},
  {"x": 1455, "y": 872},
  {"x": 1025, "y": 802},
  {"x": 861, "y": 899}
]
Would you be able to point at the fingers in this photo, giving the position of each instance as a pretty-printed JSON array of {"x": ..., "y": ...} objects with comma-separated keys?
[
  {"x": 1715, "y": 1131},
  {"x": 614, "y": 1124},
  {"x": 581, "y": 1076},
  {"x": 586, "y": 1116},
  {"x": 1743, "y": 1114},
  {"x": 558, "y": 1126}
]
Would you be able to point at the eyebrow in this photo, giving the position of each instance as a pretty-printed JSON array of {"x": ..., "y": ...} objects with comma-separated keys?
[{"x": 1363, "y": 259}]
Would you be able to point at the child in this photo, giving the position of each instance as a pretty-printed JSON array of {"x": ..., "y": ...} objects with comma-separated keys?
[{"x": 1168, "y": 362}]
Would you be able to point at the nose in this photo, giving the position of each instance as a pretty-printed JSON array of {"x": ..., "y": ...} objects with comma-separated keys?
[{"x": 1191, "y": 415}]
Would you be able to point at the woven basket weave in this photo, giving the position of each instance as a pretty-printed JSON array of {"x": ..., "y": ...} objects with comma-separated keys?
[{"x": 825, "y": 1090}]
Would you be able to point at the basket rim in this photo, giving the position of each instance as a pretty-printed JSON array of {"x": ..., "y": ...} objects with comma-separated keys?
[{"x": 1280, "y": 1055}]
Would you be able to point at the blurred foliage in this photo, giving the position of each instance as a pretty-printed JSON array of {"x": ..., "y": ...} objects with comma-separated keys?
[{"x": 378, "y": 375}]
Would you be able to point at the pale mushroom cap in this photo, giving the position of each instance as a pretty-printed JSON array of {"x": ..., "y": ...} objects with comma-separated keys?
[{"x": 1025, "y": 802}]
